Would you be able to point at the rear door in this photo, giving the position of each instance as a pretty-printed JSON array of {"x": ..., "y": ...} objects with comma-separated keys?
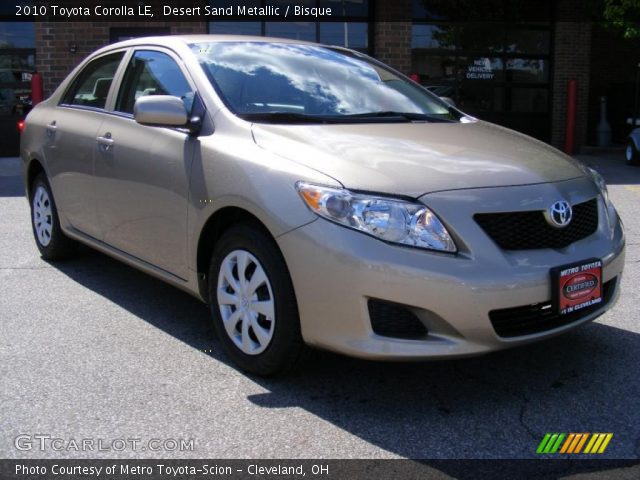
[
  {"x": 142, "y": 174},
  {"x": 71, "y": 143}
]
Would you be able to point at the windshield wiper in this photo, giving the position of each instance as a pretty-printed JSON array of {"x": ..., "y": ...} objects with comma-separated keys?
[
  {"x": 377, "y": 117},
  {"x": 286, "y": 117},
  {"x": 407, "y": 116}
]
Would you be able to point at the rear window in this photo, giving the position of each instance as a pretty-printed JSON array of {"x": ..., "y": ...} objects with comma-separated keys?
[{"x": 91, "y": 87}]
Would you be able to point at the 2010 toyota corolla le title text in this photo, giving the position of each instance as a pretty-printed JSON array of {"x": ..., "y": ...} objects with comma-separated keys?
[{"x": 313, "y": 196}]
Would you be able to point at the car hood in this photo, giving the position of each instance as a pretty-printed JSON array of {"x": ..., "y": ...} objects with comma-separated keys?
[{"x": 413, "y": 159}]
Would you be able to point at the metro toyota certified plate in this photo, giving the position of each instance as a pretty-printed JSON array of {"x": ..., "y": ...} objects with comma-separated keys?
[{"x": 577, "y": 286}]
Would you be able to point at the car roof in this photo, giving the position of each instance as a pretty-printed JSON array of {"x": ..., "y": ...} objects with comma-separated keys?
[{"x": 172, "y": 40}]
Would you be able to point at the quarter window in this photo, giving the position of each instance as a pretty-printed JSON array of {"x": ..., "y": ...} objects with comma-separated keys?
[
  {"x": 153, "y": 73},
  {"x": 92, "y": 85}
]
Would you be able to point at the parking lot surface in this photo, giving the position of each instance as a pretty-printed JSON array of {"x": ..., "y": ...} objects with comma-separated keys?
[{"x": 93, "y": 349}]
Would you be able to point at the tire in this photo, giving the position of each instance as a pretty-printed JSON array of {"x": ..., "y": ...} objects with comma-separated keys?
[
  {"x": 631, "y": 154},
  {"x": 50, "y": 240},
  {"x": 255, "y": 315}
]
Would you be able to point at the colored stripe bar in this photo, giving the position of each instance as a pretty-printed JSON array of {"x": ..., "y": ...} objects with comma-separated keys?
[
  {"x": 596, "y": 445},
  {"x": 578, "y": 448},
  {"x": 543, "y": 443},
  {"x": 574, "y": 444},
  {"x": 556, "y": 446},
  {"x": 566, "y": 445},
  {"x": 605, "y": 443},
  {"x": 550, "y": 443},
  {"x": 593, "y": 439}
]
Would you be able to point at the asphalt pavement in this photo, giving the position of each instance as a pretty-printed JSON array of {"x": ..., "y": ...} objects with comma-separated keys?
[{"x": 93, "y": 349}]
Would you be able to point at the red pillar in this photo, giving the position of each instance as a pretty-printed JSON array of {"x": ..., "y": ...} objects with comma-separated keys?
[{"x": 37, "y": 92}]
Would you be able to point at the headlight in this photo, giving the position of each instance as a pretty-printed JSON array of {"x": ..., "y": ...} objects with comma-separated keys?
[
  {"x": 601, "y": 184},
  {"x": 390, "y": 220}
]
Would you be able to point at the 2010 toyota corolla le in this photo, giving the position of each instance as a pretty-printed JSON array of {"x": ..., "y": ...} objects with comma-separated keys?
[{"x": 315, "y": 197}]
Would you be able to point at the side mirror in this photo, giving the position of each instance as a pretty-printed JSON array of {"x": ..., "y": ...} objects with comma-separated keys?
[{"x": 160, "y": 111}]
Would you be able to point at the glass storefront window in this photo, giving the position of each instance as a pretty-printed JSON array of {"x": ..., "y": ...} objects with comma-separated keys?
[
  {"x": 17, "y": 35},
  {"x": 435, "y": 70},
  {"x": 480, "y": 37},
  {"x": 480, "y": 97},
  {"x": 529, "y": 100},
  {"x": 433, "y": 37},
  {"x": 236, "y": 28},
  {"x": 294, "y": 30},
  {"x": 482, "y": 69},
  {"x": 527, "y": 70},
  {"x": 497, "y": 68},
  {"x": 528, "y": 41},
  {"x": 354, "y": 33},
  {"x": 345, "y": 34}
]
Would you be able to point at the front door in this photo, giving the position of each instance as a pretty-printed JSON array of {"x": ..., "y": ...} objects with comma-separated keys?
[{"x": 142, "y": 173}]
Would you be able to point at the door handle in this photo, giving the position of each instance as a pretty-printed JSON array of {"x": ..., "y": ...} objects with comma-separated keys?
[
  {"x": 105, "y": 142},
  {"x": 51, "y": 129}
]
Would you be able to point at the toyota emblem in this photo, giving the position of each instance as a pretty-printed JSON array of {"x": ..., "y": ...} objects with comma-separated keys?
[{"x": 559, "y": 214}]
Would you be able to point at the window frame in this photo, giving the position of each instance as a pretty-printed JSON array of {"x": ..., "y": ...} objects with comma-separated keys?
[
  {"x": 113, "y": 95},
  {"x": 507, "y": 84},
  {"x": 78, "y": 76}
]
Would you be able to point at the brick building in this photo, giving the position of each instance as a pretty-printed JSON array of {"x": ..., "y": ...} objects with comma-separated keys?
[{"x": 513, "y": 73}]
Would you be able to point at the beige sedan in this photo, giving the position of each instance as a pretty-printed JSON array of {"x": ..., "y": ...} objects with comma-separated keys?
[{"x": 315, "y": 197}]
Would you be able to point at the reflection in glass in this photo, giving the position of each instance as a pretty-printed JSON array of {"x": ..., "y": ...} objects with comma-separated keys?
[
  {"x": 527, "y": 70},
  {"x": 15, "y": 82},
  {"x": 528, "y": 41},
  {"x": 263, "y": 78},
  {"x": 236, "y": 28},
  {"x": 294, "y": 30},
  {"x": 435, "y": 70},
  {"x": 17, "y": 34},
  {"x": 433, "y": 37},
  {"x": 480, "y": 37},
  {"x": 345, "y": 34}
]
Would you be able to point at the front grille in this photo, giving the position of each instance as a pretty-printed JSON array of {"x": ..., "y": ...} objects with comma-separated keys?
[
  {"x": 530, "y": 230},
  {"x": 531, "y": 319},
  {"x": 393, "y": 320}
]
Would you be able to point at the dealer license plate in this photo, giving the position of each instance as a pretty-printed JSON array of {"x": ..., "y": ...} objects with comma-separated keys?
[{"x": 577, "y": 286}]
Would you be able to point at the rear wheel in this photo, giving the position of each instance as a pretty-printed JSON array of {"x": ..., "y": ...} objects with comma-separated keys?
[
  {"x": 50, "y": 240},
  {"x": 252, "y": 302},
  {"x": 631, "y": 154}
]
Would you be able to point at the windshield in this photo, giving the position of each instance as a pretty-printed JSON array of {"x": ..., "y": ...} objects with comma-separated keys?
[{"x": 263, "y": 81}]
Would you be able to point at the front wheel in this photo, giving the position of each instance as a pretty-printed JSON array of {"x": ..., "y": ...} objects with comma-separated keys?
[
  {"x": 50, "y": 239},
  {"x": 631, "y": 154},
  {"x": 253, "y": 303}
]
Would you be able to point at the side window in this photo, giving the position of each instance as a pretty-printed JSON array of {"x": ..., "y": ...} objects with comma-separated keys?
[
  {"x": 91, "y": 87},
  {"x": 152, "y": 73}
]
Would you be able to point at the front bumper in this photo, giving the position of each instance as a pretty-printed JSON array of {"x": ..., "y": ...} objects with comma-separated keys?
[{"x": 335, "y": 271}]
